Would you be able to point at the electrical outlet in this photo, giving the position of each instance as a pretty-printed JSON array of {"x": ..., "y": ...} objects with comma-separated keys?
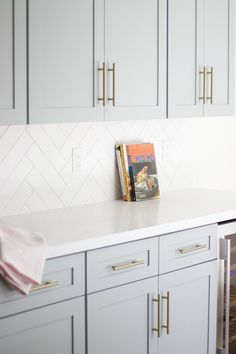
[{"x": 77, "y": 159}]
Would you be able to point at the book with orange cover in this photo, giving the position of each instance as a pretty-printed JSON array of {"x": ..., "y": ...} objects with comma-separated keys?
[
  {"x": 142, "y": 171},
  {"x": 138, "y": 171}
]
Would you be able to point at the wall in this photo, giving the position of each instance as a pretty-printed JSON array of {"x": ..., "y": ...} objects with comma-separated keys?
[
  {"x": 215, "y": 154},
  {"x": 36, "y": 161}
]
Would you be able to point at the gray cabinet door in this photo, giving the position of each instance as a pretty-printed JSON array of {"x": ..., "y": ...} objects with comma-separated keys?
[
  {"x": 192, "y": 310},
  {"x": 219, "y": 55},
  {"x": 54, "y": 329},
  {"x": 13, "y": 62},
  {"x": 201, "y": 58},
  {"x": 63, "y": 74},
  {"x": 121, "y": 320},
  {"x": 135, "y": 41},
  {"x": 185, "y": 58}
]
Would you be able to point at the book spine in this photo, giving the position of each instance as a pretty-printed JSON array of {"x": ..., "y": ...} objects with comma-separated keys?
[
  {"x": 132, "y": 182},
  {"x": 122, "y": 180},
  {"x": 129, "y": 168},
  {"x": 130, "y": 165},
  {"x": 126, "y": 172}
]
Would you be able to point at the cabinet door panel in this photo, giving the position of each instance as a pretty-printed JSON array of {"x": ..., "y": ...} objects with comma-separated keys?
[
  {"x": 193, "y": 307},
  {"x": 53, "y": 329},
  {"x": 219, "y": 54},
  {"x": 61, "y": 61},
  {"x": 120, "y": 320},
  {"x": 135, "y": 40},
  {"x": 13, "y": 61},
  {"x": 185, "y": 58}
]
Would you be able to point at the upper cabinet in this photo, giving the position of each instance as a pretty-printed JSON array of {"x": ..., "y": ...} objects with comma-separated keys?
[
  {"x": 87, "y": 60},
  {"x": 185, "y": 57},
  {"x": 201, "y": 58},
  {"x": 219, "y": 57},
  {"x": 135, "y": 58},
  {"x": 12, "y": 62},
  {"x": 62, "y": 52},
  {"x": 90, "y": 60}
]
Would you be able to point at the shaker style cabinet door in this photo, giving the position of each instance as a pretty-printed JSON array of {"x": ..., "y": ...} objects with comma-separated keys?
[
  {"x": 121, "y": 320},
  {"x": 13, "y": 62},
  {"x": 219, "y": 57},
  {"x": 185, "y": 58},
  {"x": 52, "y": 329},
  {"x": 62, "y": 80},
  {"x": 135, "y": 57},
  {"x": 201, "y": 58},
  {"x": 189, "y": 307}
]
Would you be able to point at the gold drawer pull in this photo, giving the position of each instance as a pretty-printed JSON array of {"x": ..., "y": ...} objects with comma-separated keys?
[
  {"x": 127, "y": 265},
  {"x": 45, "y": 285},
  {"x": 211, "y": 74},
  {"x": 203, "y": 73},
  {"x": 103, "y": 98},
  {"x": 192, "y": 248},
  {"x": 113, "y": 70},
  {"x": 158, "y": 329},
  {"x": 167, "y": 326}
]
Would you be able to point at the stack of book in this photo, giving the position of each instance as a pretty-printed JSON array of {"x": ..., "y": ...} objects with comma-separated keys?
[{"x": 138, "y": 171}]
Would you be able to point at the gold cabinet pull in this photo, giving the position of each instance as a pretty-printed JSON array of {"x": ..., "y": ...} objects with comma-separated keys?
[
  {"x": 113, "y": 98},
  {"x": 103, "y": 98},
  {"x": 45, "y": 285},
  {"x": 127, "y": 265},
  {"x": 158, "y": 329},
  {"x": 167, "y": 326},
  {"x": 192, "y": 248},
  {"x": 203, "y": 97},
  {"x": 211, "y": 74}
]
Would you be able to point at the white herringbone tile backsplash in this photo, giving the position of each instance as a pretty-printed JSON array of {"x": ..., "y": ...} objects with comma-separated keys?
[{"x": 36, "y": 161}]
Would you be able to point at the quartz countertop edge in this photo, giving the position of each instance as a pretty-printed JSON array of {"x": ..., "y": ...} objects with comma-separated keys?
[{"x": 83, "y": 228}]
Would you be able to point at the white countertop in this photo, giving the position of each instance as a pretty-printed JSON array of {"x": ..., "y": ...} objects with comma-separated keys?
[{"x": 83, "y": 228}]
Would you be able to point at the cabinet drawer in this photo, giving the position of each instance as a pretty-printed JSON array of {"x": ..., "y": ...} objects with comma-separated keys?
[
  {"x": 64, "y": 278},
  {"x": 116, "y": 265},
  {"x": 186, "y": 248}
]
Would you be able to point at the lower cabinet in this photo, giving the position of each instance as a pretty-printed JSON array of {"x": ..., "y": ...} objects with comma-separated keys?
[
  {"x": 131, "y": 305},
  {"x": 188, "y": 310},
  {"x": 121, "y": 320},
  {"x": 172, "y": 313},
  {"x": 54, "y": 329}
]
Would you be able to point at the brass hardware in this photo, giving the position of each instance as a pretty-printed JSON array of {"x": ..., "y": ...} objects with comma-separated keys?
[
  {"x": 211, "y": 74},
  {"x": 158, "y": 329},
  {"x": 113, "y": 98},
  {"x": 103, "y": 98},
  {"x": 127, "y": 265},
  {"x": 192, "y": 248},
  {"x": 167, "y": 326},
  {"x": 203, "y": 97},
  {"x": 45, "y": 285}
]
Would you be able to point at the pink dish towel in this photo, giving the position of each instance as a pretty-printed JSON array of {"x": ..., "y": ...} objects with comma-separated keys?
[{"x": 22, "y": 257}]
